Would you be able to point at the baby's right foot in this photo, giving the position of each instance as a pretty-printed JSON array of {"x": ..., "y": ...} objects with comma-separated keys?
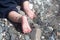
[{"x": 25, "y": 26}]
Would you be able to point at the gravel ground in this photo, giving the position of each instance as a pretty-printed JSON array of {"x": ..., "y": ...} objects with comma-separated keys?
[{"x": 46, "y": 26}]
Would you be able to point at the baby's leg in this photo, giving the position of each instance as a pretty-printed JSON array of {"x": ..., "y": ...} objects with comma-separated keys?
[{"x": 14, "y": 16}]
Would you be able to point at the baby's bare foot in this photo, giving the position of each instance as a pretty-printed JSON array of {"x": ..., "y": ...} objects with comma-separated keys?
[
  {"x": 31, "y": 14},
  {"x": 25, "y": 26}
]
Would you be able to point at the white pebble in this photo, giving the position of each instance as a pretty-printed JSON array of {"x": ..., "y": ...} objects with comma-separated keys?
[{"x": 42, "y": 37}]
